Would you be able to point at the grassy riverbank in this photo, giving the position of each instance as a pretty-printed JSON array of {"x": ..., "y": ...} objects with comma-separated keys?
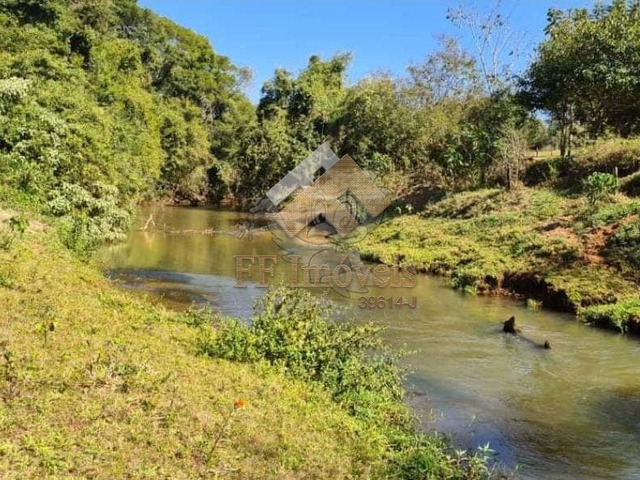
[
  {"x": 95, "y": 383},
  {"x": 534, "y": 242}
]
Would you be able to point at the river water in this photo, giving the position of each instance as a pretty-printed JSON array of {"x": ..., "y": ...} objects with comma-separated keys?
[{"x": 569, "y": 412}]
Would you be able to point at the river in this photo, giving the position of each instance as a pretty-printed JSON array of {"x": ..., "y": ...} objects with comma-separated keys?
[{"x": 569, "y": 412}]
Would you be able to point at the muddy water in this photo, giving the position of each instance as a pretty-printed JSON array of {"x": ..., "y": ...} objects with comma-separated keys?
[{"x": 569, "y": 412}]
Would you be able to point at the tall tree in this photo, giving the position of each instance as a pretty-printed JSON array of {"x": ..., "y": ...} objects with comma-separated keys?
[
  {"x": 449, "y": 73},
  {"x": 495, "y": 45},
  {"x": 586, "y": 70}
]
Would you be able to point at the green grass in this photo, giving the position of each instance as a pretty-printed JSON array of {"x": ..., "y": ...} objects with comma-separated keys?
[
  {"x": 531, "y": 241},
  {"x": 604, "y": 156},
  {"x": 96, "y": 383},
  {"x": 623, "y": 316}
]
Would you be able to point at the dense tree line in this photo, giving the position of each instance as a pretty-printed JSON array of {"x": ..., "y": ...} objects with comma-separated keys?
[
  {"x": 587, "y": 71},
  {"x": 441, "y": 117},
  {"x": 104, "y": 104},
  {"x": 460, "y": 116}
]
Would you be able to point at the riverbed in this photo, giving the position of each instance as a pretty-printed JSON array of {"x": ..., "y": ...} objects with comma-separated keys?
[{"x": 572, "y": 411}]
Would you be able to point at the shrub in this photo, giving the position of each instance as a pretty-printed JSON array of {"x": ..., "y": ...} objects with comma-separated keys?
[
  {"x": 192, "y": 187},
  {"x": 610, "y": 213},
  {"x": 598, "y": 186},
  {"x": 539, "y": 172},
  {"x": 547, "y": 170},
  {"x": 289, "y": 331},
  {"x": 12, "y": 90},
  {"x": 88, "y": 218},
  {"x": 19, "y": 223},
  {"x": 464, "y": 280},
  {"x": 216, "y": 184}
]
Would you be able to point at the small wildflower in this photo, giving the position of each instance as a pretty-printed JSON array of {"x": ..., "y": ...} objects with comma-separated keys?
[{"x": 238, "y": 403}]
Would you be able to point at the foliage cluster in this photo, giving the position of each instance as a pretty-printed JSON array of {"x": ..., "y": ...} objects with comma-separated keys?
[
  {"x": 623, "y": 316},
  {"x": 598, "y": 186},
  {"x": 631, "y": 185},
  {"x": 455, "y": 112},
  {"x": 623, "y": 247},
  {"x": 105, "y": 104},
  {"x": 437, "y": 119},
  {"x": 110, "y": 94},
  {"x": 290, "y": 331},
  {"x": 584, "y": 72}
]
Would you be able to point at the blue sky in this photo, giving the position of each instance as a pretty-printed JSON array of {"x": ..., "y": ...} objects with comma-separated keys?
[{"x": 382, "y": 35}]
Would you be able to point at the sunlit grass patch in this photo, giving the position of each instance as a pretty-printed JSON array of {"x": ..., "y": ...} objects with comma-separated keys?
[{"x": 584, "y": 254}]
